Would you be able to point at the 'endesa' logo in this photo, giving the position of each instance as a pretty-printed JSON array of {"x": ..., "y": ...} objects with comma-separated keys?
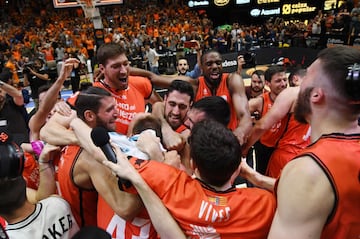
[
  {"x": 198, "y": 3},
  {"x": 221, "y": 3},
  {"x": 227, "y": 63}
]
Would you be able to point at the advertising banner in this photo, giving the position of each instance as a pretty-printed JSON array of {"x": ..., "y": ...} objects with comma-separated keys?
[
  {"x": 253, "y": 9},
  {"x": 74, "y": 3}
]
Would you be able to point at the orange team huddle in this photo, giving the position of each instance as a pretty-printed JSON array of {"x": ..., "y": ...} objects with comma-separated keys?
[{"x": 206, "y": 203}]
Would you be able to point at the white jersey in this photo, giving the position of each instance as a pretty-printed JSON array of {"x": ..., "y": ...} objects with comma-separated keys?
[
  {"x": 128, "y": 145},
  {"x": 52, "y": 218}
]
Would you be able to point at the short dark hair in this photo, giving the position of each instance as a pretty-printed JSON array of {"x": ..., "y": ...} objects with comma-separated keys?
[
  {"x": 108, "y": 51},
  {"x": 5, "y": 75},
  {"x": 335, "y": 63},
  {"x": 89, "y": 99},
  {"x": 214, "y": 107},
  {"x": 208, "y": 52},
  {"x": 183, "y": 87},
  {"x": 215, "y": 150},
  {"x": 258, "y": 73},
  {"x": 181, "y": 58},
  {"x": 12, "y": 194},
  {"x": 272, "y": 70},
  {"x": 299, "y": 72}
]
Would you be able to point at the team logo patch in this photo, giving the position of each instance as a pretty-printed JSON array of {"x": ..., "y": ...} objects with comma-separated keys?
[
  {"x": 218, "y": 200},
  {"x": 138, "y": 163}
]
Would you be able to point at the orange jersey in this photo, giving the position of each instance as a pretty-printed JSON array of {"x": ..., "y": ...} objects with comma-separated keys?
[
  {"x": 139, "y": 227},
  {"x": 13, "y": 70},
  {"x": 89, "y": 44},
  {"x": 292, "y": 142},
  {"x": 223, "y": 91},
  {"x": 342, "y": 168},
  {"x": 31, "y": 171},
  {"x": 271, "y": 137},
  {"x": 202, "y": 212},
  {"x": 181, "y": 128},
  {"x": 82, "y": 201},
  {"x": 49, "y": 54},
  {"x": 130, "y": 101}
]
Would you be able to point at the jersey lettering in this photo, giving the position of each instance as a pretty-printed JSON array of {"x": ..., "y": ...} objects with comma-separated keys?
[
  {"x": 208, "y": 213},
  {"x": 58, "y": 228},
  {"x": 138, "y": 228},
  {"x": 126, "y": 112},
  {"x": 204, "y": 232}
]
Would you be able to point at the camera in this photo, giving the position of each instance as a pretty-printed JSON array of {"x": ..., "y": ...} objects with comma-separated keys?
[
  {"x": 249, "y": 58},
  {"x": 28, "y": 65}
]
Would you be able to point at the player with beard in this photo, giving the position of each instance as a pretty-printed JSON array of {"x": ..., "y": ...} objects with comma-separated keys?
[
  {"x": 214, "y": 82},
  {"x": 183, "y": 65},
  {"x": 294, "y": 137},
  {"x": 257, "y": 85},
  {"x": 80, "y": 178},
  {"x": 276, "y": 80},
  {"x": 172, "y": 112},
  {"x": 131, "y": 92},
  {"x": 322, "y": 179},
  {"x": 183, "y": 68}
]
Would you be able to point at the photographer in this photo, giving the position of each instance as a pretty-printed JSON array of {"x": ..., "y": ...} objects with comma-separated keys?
[
  {"x": 36, "y": 74},
  {"x": 12, "y": 110}
]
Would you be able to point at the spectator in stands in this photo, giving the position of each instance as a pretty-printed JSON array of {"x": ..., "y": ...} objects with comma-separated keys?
[
  {"x": 36, "y": 74},
  {"x": 355, "y": 20},
  {"x": 75, "y": 74},
  {"x": 153, "y": 58}
]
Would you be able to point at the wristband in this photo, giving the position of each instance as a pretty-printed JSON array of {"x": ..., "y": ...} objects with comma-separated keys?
[
  {"x": 37, "y": 146},
  {"x": 1, "y": 83},
  {"x": 44, "y": 162},
  {"x": 43, "y": 169}
]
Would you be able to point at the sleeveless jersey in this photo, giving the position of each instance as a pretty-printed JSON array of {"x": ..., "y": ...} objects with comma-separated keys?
[
  {"x": 294, "y": 139},
  {"x": 129, "y": 101},
  {"x": 51, "y": 218},
  {"x": 181, "y": 128},
  {"x": 204, "y": 213},
  {"x": 271, "y": 137},
  {"x": 139, "y": 227},
  {"x": 223, "y": 91},
  {"x": 82, "y": 201},
  {"x": 342, "y": 168}
]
